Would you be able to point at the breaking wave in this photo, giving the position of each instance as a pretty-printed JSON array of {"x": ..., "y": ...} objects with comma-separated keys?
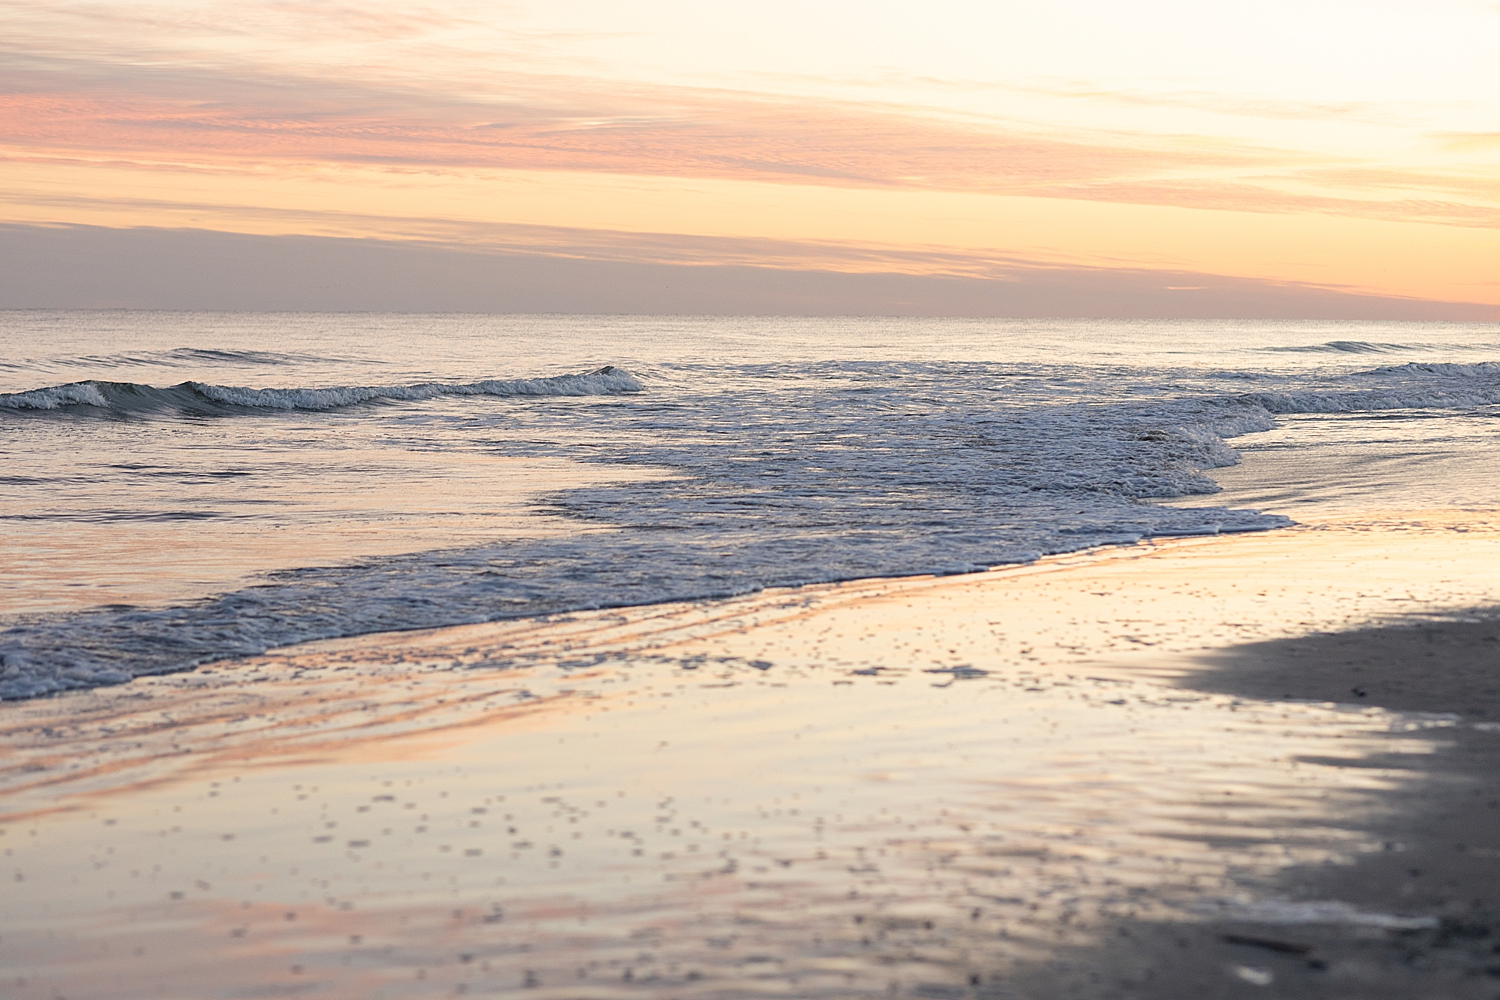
[{"x": 201, "y": 397}]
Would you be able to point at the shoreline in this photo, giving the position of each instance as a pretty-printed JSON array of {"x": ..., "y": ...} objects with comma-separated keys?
[
  {"x": 307, "y": 673},
  {"x": 1063, "y": 734}
]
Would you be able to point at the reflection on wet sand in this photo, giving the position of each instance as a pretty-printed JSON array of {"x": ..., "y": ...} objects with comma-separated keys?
[{"x": 1009, "y": 784}]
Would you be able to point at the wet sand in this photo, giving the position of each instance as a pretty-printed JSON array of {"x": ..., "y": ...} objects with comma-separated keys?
[{"x": 1254, "y": 765}]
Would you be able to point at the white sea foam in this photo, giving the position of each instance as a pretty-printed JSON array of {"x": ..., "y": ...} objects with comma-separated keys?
[
  {"x": 52, "y": 397},
  {"x": 603, "y": 382},
  {"x": 1371, "y": 401},
  {"x": 773, "y": 486},
  {"x": 787, "y": 465},
  {"x": 1479, "y": 369}
]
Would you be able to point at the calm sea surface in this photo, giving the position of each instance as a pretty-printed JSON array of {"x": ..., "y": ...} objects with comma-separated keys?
[{"x": 180, "y": 487}]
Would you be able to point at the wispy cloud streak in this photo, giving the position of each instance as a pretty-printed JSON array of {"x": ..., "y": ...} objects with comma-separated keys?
[
  {"x": 454, "y": 94},
  {"x": 693, "y": 134}
]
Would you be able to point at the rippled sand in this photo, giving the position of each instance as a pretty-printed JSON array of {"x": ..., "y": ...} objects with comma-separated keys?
[{"x": 1134, "y": 772}]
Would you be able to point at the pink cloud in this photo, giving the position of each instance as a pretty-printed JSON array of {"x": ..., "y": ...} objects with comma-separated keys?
[{"x": 662, "y": 132}]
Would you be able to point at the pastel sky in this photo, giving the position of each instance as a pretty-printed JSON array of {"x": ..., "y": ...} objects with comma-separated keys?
[{"x": 1350, "y": 146}]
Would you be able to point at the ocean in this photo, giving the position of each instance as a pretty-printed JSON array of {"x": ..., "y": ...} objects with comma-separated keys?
[{"x": 185, "y": 487}]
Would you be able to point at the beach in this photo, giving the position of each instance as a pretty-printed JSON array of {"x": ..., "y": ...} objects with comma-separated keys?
[
  {"x": 396, "y": 655},
  {"x": 1203, "y": 766},
  {"x": 577, "y": 501}
]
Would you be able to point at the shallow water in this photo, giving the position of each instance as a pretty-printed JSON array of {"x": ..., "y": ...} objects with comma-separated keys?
[
  {"x": 184, "y": 487},
  {"x": 920, "y": 788}
]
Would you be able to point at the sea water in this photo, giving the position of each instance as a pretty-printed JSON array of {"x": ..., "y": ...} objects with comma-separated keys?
[{"x": 183, "y": 487}]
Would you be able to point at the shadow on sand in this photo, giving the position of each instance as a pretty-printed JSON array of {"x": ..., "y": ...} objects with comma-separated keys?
[{"x": 1416, "y": 915}]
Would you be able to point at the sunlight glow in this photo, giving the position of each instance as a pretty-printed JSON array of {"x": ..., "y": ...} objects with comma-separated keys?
[{"x": 1332, "y": 143}]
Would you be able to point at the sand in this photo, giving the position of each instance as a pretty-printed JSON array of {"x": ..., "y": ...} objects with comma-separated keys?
[{"x": 1251, "y": 765}]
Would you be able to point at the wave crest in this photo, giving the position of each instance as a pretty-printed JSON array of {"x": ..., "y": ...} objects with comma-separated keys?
[
  {"x": 55, "y": 396},
  {"x": 200, "y": 396},
  {"x": 1343, "y": 347},
  {"x": 1477, "y": 369}
]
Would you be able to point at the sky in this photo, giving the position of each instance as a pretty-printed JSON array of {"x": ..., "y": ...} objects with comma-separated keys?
[{"x": 1336, "y": 149}]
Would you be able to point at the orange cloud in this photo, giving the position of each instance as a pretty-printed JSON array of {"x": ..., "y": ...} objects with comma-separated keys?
[
  {"x": 661, "y": 132},
  {"x": 411, "y": 123},
  {"x": 549, "y": 123},
  {"x": 1473, "y": 142}
]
